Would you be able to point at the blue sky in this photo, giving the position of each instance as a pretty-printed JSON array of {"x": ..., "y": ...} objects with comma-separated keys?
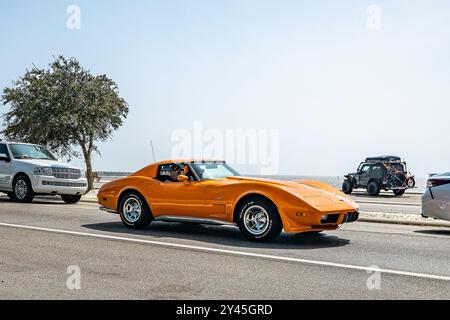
[{"x": 336, "y": 90}]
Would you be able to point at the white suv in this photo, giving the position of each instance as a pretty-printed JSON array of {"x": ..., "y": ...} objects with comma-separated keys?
[{"x": 27, "y": 170}]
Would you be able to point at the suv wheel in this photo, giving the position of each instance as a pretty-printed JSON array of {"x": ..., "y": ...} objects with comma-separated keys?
[
  {"x": 373, "y": 189},
  {"x": 347, "y": 187},
  {"x": 259, "y": 220},
  {"x": 399, "y": 192},
  {"x": 22, "y": 190},
  {"x": 134, "y": 211},
  {"x": 71, "y": 199}
]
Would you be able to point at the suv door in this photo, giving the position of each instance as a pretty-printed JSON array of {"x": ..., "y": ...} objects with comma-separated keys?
[
  {"x": 5, "y": 168},
  {"x": 364, "y": 175}
]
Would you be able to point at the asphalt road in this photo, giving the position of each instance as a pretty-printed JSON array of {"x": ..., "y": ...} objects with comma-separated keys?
[
  {"x": 387, "y": 202},
  {"x": 39, "y": 241}
]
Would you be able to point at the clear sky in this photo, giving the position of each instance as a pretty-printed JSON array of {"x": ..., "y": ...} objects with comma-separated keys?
[{"x": 336, "y": 90}]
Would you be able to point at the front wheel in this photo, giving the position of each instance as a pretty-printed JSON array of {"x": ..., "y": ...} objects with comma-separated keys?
[
  {"x": 347, "y": 187},
  {"x": 70, "y": 199},
  {"x": 22, "y": 190},
  {"x": 134, "y": 211},
  {"x": 259, "y": 220}
]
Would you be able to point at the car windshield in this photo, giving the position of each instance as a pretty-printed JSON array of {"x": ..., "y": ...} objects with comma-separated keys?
[
  {"x": 30, "y": 151},
  {"x": 213, "y": 170}
]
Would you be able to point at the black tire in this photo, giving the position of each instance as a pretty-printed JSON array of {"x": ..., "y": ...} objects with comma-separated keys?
[
  {"x": 399, "y": 192},
  {"x": 142, "y": 219},
  {"x": 265, "y": 211},
  {"x": 347, "y": 187},
  {"x": 71, "y": 199},
  {"x": 22, "y": 190},
  {"x": 373, "y": 189}
]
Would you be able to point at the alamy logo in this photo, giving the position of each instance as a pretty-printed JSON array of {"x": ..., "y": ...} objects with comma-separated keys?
[
  {"x": 74, "y": 280},
  {"x": 374, "y": 18},
  {"x": 251, "y": 146},
  {"x": 374, "y": 280},
  {"x": 74, "y": 19}
]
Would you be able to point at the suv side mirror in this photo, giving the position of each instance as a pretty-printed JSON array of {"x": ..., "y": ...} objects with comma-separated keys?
[
  {"x": 4, "y": 157},
  {"x": 183, "y": 178}
]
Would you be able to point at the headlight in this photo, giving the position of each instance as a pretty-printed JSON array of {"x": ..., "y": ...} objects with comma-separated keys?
[{"x": 43, "y": 171}]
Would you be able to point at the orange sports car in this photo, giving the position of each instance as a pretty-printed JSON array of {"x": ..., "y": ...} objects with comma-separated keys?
[{"x": 210, "y": 191}]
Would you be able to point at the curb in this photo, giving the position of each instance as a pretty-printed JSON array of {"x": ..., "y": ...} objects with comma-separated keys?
[
  {"x": 393, "y": 203},
  {"x": 413, "y": 220}
]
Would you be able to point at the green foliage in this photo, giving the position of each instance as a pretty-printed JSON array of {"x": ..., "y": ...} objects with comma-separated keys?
[{"x": 62, "y": 107}]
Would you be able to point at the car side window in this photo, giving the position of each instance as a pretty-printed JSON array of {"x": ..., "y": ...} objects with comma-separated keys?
[
  {"x": 164, "y": 173},
  {"x": 365, "y": 169},
  {"x": 4, "y": 149}
]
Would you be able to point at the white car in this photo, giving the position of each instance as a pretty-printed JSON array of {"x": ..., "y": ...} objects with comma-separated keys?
[
  {"x": 436, "y": 199},
  {"x": 27, "y": 170}
]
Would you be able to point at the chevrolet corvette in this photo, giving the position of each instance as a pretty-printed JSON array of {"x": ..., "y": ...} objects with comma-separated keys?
[{"x": 212, "y": 192}]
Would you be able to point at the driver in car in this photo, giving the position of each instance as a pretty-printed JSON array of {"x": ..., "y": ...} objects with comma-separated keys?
[
  {"x": 175, "y": 171},
  {"x": 188, "y": 173}
]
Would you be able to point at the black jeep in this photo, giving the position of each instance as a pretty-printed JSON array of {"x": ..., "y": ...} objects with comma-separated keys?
[{"x": 380, "y": 173}]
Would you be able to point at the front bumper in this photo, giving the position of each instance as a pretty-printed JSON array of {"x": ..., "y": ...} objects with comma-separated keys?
[
  {"x": 311, "y": 220},
  {"x": 52, "y": 185}
]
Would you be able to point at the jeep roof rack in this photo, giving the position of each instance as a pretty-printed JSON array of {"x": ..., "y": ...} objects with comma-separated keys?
[{"x": 384, "y": 159}]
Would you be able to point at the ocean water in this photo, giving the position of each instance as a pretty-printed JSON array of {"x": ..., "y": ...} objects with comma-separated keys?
[{"x": 335, "y": 181}]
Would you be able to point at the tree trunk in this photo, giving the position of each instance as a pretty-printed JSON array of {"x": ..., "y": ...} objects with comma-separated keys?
[
  {"x": 90, "y": 176},
  {"x": 88, "y": 162}
]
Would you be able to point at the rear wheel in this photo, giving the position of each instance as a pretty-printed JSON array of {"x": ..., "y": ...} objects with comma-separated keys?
[
  {"x": 373, "y": 189},
  {"x": 399, "y": 192},
  {"x": 259, "y": 220},
  {"x": 71, "y": 199},
  {"x": 347, "y": 187},
  {"x": 134, "y": 211},
  {"x": 22, "y": 190}
]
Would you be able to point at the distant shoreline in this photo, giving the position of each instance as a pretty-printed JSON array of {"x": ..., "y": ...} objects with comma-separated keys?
[{"x": 335, "y": 181}]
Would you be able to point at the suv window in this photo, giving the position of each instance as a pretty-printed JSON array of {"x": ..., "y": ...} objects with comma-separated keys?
[
  {"x": 4, "y": 149},
  {"x": 365, "y": 168}
]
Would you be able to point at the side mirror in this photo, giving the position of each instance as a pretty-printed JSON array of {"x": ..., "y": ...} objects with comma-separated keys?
[
  {"x": 4, "y": 157},
  {"x": 183, "y": 178}
]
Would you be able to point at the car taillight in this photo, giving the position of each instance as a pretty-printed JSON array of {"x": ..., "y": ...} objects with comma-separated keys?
[{"x": 437, "y": 182}]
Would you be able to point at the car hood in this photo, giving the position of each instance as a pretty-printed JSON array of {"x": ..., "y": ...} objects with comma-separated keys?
[
  {"x": 318, "y": 195},
  {"x": 46, "y": 163}
]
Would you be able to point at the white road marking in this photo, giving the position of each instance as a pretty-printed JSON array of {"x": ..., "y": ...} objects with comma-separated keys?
[{"x": 232, "y": 252}]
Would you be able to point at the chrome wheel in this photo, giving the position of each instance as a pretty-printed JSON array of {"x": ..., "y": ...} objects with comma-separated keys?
[
  {"x": 20, "y": 189},
  {"x": 132, "y": 209},
  {"x": 256, "y": 220}
]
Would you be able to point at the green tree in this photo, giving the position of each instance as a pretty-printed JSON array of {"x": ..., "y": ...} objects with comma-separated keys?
[{"x": 63, "y": 107}]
